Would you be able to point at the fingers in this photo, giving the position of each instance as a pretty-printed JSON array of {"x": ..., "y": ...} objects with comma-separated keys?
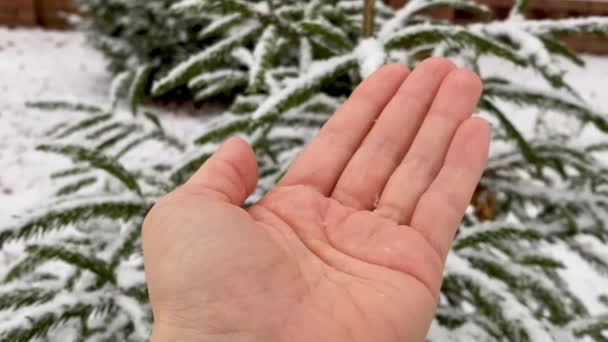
[
  {"x": 455, "y": 102},
  {"x": 324, "y": 159},
  {"x": 230, "y": 175},
  {"x": 441, "y": 207},
  {"x": 383, "y": 149}
]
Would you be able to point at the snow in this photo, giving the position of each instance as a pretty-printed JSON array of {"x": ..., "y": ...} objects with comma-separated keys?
[
  {"x": 61, "y": 300},
  {"x": 415, "y": 29},
  {"x": 583, "y": 280},
  {"x": 39, "y": 65},
  {"x": 371, "y": 56},
  {"x": 138, "y": 316},
  {"x": 305, "y": 54},
  {"x": 185, "y": 5},
  {"x": 528, "y": 45},
  {"x": 47, "y": 65},
  {"x": 130, "y": 273},
  {"x": 117, "y": 86},
  {"x": 260, "y": 7},
  {"x": 586, "y": 24},
  {"x": 316, "y": 72},
  {"x": 262, "y": 50},
  {"x": 465, "y": 333},
  {"x": 400, "y": 16},
  {"x": 243, "y": 56},
  {"x": 312, "y": 7},
  {"x": 512, "y": 308},
  {"x": 34, "y": 65},
  {"x": 218, "y": 24},
  {"x": 209, "y": 77},
  {"x": 204, "y": 56},
  {"x": 589, "y": 81}
]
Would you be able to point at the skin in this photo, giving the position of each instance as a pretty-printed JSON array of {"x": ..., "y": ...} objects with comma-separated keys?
[{"x": 349, "y": 246}]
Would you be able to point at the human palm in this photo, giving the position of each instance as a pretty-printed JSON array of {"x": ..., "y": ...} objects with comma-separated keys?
[{"x": 349, "y": 246}]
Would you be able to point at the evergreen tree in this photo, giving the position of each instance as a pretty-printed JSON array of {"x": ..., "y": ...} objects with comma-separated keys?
[{"x": 287, "y": 65}]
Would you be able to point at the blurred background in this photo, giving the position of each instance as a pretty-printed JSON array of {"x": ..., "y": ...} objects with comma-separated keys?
[{"x": 533, "y": 243}]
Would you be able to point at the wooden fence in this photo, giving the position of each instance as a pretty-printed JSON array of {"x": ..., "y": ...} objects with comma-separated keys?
[{"x": 45, "y": 13}]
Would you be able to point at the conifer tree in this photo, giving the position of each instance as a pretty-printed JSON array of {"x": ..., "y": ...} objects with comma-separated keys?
[{"x": 286, "y": 65}]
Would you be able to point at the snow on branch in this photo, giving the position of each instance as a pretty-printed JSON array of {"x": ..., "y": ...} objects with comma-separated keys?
[
  {"x": 212, "y": 55},
  {"x": 304, "y": 87},
  {"x": 586, "y": 25},
  {"x": 220, "y": 25},
  {"x": 415, "y": 7},
  {"x": 429, "y": 33},
  {"x": 112, "y": 207},
  {"x": 262, "y": 58},
  {"x": 513, "y": 309}
]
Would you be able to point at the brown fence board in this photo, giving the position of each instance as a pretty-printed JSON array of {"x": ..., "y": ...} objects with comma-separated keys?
[
  {"x": 17, "y": 12},
  {"x": 50, "y": 12},
  {"x": 46, "y": 13}
]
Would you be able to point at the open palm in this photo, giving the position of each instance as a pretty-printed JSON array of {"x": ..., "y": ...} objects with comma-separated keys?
[{"x": 349, "y": 246}]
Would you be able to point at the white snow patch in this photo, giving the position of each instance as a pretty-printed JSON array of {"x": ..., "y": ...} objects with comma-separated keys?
[{"x": 371, "y": 56}]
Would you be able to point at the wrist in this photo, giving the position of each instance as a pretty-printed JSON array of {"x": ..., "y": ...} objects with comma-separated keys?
[
  {"x": 166, "y": 333},
  {"x": 163, "y": 333}
]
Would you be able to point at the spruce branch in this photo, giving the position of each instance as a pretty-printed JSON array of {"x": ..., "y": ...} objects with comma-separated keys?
[
  {"x": 64, "y": 106},
  {"x": 410, "y": 37},
  {"x": 158, "y": 135},
  {"x": 209, "y": 57},
  {"x": 76, "y": 186},
  {"x": 329, "y": 34},
  {"x": 155, "y": 120},
  {"x": 15, "y": 298},
  {"x": 522, "y": 95},
  {"x": 98, "y": 133},
  {"x": 61, "y": 216},
  {"x": 139, "y": 86},
  {"x": 586, "y": 25},
  {"x": 305, "y": 87},
  {"x": 120, "y": 84},
  {"x": 44, "y": 253},
  {"x": 97, "y": 160},
  {"x": 70, "y": 172},
  {"x": 490, "y": 236},
  {"x": 84, "y": 124},
  {"x": 123, "y": 134},
  {"x": 556, "y": 47},
  {"x": 526, "y": 150},
  {"x": 220, "y": 26}
]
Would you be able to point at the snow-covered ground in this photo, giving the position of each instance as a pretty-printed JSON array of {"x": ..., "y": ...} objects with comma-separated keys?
[{"x": 38, "y": 65}]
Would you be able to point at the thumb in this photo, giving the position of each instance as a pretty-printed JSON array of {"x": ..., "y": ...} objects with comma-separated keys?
[{"x": 230, "y": 174}]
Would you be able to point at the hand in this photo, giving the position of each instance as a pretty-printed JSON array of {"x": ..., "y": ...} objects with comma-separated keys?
[{"x": 349, "y": 246}]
